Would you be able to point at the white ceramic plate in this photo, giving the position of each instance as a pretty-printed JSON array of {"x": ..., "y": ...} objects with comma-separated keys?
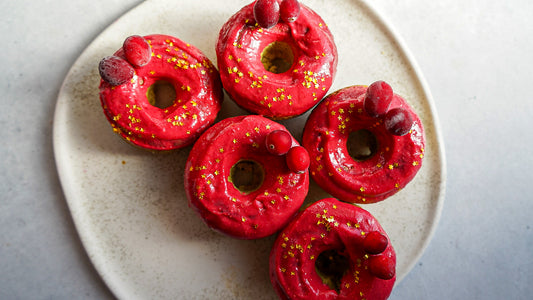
[{"x": 129, "y": 206}]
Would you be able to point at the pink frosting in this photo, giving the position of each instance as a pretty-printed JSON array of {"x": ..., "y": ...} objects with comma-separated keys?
[
  {"x": 395, "y": 163},
  {"x": 279, "y": 96},
  {"x": 328, "y": 224},
  {"x": 220, "y": 204},
  {"x": 198, "y": 100}
]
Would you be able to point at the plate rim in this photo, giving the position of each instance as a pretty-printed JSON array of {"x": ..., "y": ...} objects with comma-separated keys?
[{"x": 436, "y": 122}]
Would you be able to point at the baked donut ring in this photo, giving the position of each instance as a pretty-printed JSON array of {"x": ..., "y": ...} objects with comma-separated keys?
[
  {"x": 333, "y": 250},
  {"x": 279, "y": 72},
  {"x": 377, "y": 168},
  {"x": 195, "y": 96},
  {"x": 236, "y": 185}
]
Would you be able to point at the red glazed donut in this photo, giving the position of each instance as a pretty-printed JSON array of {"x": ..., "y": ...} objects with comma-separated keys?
[
  {"x": 179, "y": 67},
  {"x": 390, "y": 162},
  {"x": 236, "y": 185},
  {"x": 333, "y": 250},
  {"x": 280, "y": 72}
]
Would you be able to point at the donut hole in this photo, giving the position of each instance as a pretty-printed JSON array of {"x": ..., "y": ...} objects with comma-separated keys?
[
  {"x": 277, "y": 57},
  {"x": 247, "y": 176},
  {"x": 161, "y": 94},
  {"x": 331, "y": 266},
  {"x": 362, "y": 144}
]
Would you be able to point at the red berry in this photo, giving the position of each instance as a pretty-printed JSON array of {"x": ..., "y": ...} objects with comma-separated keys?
[
  {"x": 289, "y": 10},
  {"x": 137, "y": 50},
  {"x": 298, "y": 159},
  {"x": 382, "y": 267},
  {"x": 398, "y": 121},
  {"x": 375, "y": 243},
  {"x": 278, "y": 142},
  {"x": 378, "y": 98},
  {"x": 266, "y": 13},
  {"x": 115, "y": 70}
]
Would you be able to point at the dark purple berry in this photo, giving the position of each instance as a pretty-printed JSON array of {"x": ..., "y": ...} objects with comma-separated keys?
[
  {"x": 378, "y": 98},
  {"x": 289, "y": 10},
  {"x": 115, "y": 70},
  {"x": 266, "y": 13},
  {"x": 137, "y": 50},
  {"x": 398, "y": 121}
]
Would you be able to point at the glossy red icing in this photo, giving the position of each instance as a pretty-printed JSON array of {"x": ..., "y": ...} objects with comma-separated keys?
[
  {"x": 220, "y": 204},
  {"x": 395, "y": 163},
  {"x": 198, "y": 97},
  {"x": 278, "y": 96},
  {"x": 328, "y": 224}
]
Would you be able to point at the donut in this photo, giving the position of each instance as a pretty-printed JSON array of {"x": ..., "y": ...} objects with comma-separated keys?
[
  {"x": 356, "y": 158},
  {"x": 278, "y": 72},
  {"x": 236, "y": 185},
  {"x": 176, "y": 72},
  {"x": 333, "y": 250}
]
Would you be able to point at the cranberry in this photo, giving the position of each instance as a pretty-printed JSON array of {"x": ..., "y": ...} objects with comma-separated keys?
[
  {"x": 398, "y": 121},
  {"x": 289, "y": 10},
  {"x": 137, "y": 50},
  {"x": 382, "y": 267},
  {"x": 375, "y": 243},
  {"x": 115, "y": 70},
  {"x": 378, "y": 98},
  {"x": 278, "y": 142},
  {"x": 298, "y": 159},
  {"x": 266, "y": 13}
]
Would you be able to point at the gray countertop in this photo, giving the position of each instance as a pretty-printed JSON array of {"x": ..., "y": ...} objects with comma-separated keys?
[{"x": 476, "y": 56}]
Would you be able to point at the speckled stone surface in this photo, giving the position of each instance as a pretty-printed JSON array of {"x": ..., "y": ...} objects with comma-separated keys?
[{"x": 485, "y": 227}]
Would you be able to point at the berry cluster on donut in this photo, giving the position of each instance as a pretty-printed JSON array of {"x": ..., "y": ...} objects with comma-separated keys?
[
  {"x": 367, "y": 143},
  {"x": 276, "y": 58},
  {"x": 333, "y": 250},
  {"x": 132, "y": 78},
  {"x": 241, "y": 186}
]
